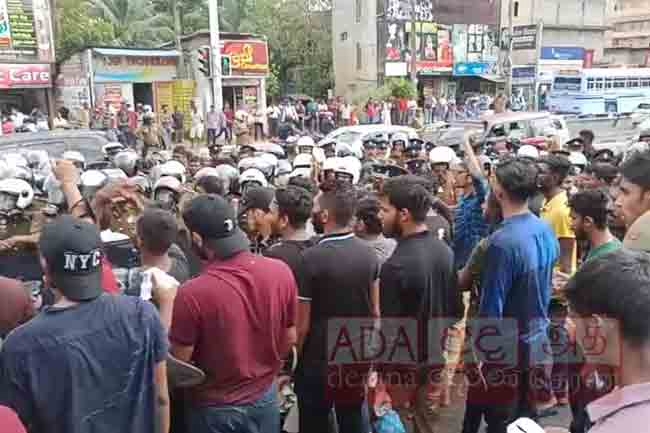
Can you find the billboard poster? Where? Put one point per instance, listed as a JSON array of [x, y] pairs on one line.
[[445, 11], [524, 37], [482, 43], [459, 40], [563, 53], [434, 48], [395, 48], [26, 31], [247, 57]]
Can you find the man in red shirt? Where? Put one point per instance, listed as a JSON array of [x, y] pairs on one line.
[[235, 321]]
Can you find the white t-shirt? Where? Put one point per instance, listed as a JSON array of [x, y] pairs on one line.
[[346, 112]]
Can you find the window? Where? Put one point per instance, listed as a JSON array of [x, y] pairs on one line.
[[516, 10], [358, 56], [590, 83], [609, 83], [619, 82], [571, 84], [344, 36], [600, 83], [645, 82], [632, 82], [358, 10], [381, 8]]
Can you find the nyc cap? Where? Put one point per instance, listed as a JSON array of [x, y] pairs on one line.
[[72, 249], [214, 219]]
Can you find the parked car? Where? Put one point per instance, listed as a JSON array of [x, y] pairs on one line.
[[88, 142], [354, 135]]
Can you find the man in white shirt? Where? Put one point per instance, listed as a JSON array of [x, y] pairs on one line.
[[273, 114], [346, 114], [196, 131]]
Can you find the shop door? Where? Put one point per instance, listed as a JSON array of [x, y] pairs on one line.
[[143, 93]]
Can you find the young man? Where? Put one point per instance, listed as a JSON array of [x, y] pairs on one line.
[[235, 321], [633, 201], [341, 282], [178, 124], [104, 356], [157, 231], [553, 169], [196, 130], [256, 207], [216, 125], [516, 285], [418, 280], [290, 211], [589, 222], [610, 297], [368, 228], [469, 224]]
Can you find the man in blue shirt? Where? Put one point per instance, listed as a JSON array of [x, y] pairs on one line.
[[516, 284], [469, 223], [92, 362]]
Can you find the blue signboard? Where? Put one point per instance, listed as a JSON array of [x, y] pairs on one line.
[[523, 72], [474, 69], [563, 53]]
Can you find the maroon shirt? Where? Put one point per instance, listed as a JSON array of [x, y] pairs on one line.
[[236, 314]]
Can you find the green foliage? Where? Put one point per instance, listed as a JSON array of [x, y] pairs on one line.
[[401, 88], [78, 29], [273, 88]]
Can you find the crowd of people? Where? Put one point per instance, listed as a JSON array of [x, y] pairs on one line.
[[198, 290]]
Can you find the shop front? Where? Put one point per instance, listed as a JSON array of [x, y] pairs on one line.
[[245, 86], [26, 55], [476, 78], [24, 86]]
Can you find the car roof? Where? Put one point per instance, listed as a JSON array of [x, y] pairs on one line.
[[372, 129], [88, 142], [514, 116]]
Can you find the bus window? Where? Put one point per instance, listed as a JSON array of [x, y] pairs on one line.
[[609, 83], [590, 83], [571, 84], [599, 83], [633, 82], [645, 82], [619, 82]]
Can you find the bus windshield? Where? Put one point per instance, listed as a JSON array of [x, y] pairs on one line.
[[571, 84]]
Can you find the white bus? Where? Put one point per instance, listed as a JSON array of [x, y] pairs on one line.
[[599, 91]]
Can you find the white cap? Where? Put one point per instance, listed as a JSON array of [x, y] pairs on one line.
[[578, 158], [206, 172], [528, 151], [19, 188], [305, 141], [301, 172], [442, 155]]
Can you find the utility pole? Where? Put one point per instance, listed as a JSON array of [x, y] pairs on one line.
[[215, 50], [181, 72], [414, 72], [508, 61]]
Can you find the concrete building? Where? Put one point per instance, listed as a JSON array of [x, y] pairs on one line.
[[628, 42], [354, 45]]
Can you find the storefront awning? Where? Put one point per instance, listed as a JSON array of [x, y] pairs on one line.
[[135, 53]]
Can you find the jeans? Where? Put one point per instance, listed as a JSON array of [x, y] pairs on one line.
[[262, 416], [315, 407], [428, 116], [213, 134]]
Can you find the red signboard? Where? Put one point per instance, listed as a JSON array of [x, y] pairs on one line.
[[247, 57], [16, 76]]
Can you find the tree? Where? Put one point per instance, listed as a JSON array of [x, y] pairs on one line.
[[300, 43], [135, 22], [77, 29], [234, 15]]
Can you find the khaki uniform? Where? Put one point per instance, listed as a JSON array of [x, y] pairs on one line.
[[638, 235], [150, 136]]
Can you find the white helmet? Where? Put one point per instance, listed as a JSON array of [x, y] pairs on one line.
[[442, 155], [52, 187], [228, 173], [269, 158], [76, 157], [301, 172], [91, 181], [578, 159], [305, 141], [39, 159], [206, 172], [528, 151], [246, 163], [284, 167], [109, 150], [252, 175], [114, 174], [126, 160], [331, 163], [173, 168], [5, 170], [169, 182], [303, 160], [343, 149], [350, 166], [15, 194]]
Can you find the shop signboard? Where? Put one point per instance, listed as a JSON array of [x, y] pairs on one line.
[[163, 95], [26, 31], [183, 93], [474, 69], [444, 11], [523, 75], [523, 37], [133, 66], [563, 53], [434, 55], [22, 76], [395, 42], [248, 57]]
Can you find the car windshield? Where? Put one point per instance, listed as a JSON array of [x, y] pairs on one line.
[[643, 107]]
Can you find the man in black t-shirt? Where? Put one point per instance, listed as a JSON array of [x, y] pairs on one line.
[[341, 283], [290, 210], [419, 282]]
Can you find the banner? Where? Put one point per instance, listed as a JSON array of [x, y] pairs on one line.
[[163, 95], [473, 69], [183, 93], [445, 11], [26, 31], [247, 57], [563, 53], [524, 37], [21, 76]]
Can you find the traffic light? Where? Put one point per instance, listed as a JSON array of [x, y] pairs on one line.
[[225, 66], [205, 61]]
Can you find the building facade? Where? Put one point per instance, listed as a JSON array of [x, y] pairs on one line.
[[628, 41], [26, 55]]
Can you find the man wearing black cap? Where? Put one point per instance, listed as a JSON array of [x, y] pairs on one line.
[[102, 356], [235, 321], [256, 208]]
